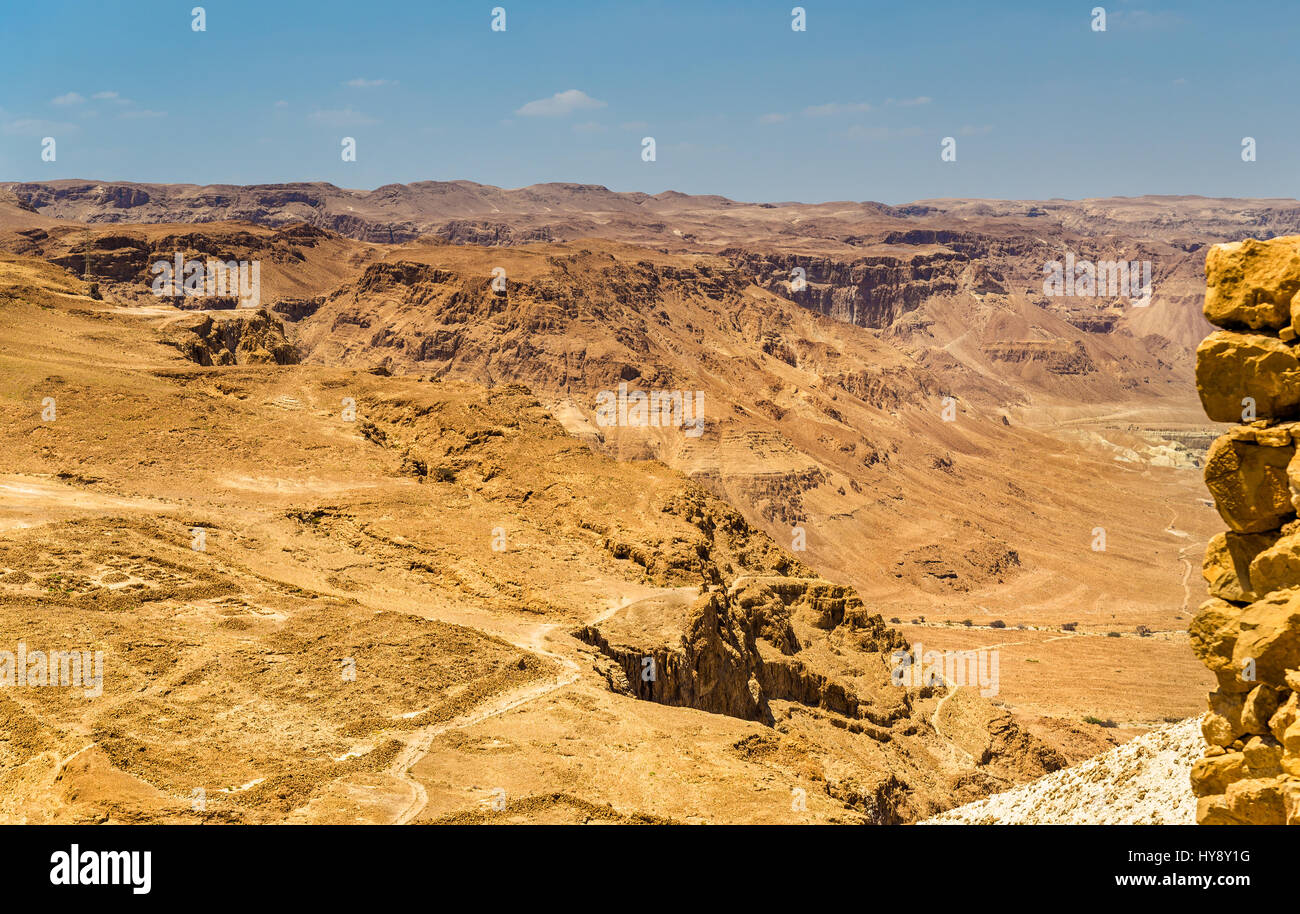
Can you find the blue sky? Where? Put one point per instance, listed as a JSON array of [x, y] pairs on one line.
[[854, 108]]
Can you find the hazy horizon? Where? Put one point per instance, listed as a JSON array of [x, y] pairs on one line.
[[669, 190]]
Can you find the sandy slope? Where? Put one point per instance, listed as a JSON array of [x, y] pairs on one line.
[[1143, 782]]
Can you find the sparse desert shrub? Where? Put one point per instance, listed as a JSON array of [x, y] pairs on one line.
[[1112, 634], [443, 474], [1099, 722], [997, 623], [1069, 626], [1143, 631], [967, 622], [894, 620]]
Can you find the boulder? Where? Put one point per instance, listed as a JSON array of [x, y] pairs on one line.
[[1291, 750], [1268, 633], [1261, 704], [1222, 725], [1228, 562], [1213, 775], [1284, 717], [1275, 567], [1257, 801], [1249, 483], [1251, 284], [1263, 756], [1233, 366], [1213, 634]]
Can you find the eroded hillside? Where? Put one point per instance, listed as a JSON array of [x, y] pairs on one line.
[[326, 594], [827, 425]]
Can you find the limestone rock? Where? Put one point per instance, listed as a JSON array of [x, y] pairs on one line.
[[1257, 801], [1291, 750], [1263, 756], [1291, 801], [1251, 283], [1213, 775], [1275, 567], [1249, 484], [1213, 634], [1232, 366], [1269, 635], [1214, 810], [1228, 563], [1284, 716], [1222, 725], [1259, 708]]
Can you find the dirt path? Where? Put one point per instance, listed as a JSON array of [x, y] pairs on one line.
[[533, 639]]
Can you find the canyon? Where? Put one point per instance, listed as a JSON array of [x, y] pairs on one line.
[[912, 442]]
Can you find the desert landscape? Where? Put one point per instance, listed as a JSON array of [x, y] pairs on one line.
[[367, 550]]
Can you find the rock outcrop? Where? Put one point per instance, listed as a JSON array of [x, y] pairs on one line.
[[1248, 632], [238, 337]]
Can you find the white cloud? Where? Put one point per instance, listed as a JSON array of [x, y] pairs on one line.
[[969, 130], [911, 102], [857, 131], [341, 117], [28, 126], [282, 104], [140, 113], [1146, 20], [70, 98], [773, 118], [836, 108], [589, 127], [560, 104], [108, 96], [361, 83]]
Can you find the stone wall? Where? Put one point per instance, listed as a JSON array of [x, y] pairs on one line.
[[1248, 632]]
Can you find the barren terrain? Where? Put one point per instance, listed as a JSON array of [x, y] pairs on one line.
[[400, 477]]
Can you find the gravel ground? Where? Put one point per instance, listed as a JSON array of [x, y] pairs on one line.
[[1143, 782]]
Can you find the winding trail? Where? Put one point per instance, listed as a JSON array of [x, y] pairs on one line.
[[534, 640]]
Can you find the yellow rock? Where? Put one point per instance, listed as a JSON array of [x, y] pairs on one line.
[[1275, 567], [1263, 756], [1260, 706], [1251, 283], [1213, 634], [1277, 436], [1268, 633], [1249, 484], [1213, 775], [1291, 799], [1228, 562], [1291, 750], [1231, 367], [1284, 717], [1222, 725], [1257, 801]]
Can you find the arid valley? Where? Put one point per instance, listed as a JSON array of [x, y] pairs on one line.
[[365, 549]]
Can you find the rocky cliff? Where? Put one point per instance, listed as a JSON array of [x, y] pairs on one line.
[[1248, 632]]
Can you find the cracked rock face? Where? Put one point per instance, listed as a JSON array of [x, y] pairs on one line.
[[1248, 634]]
